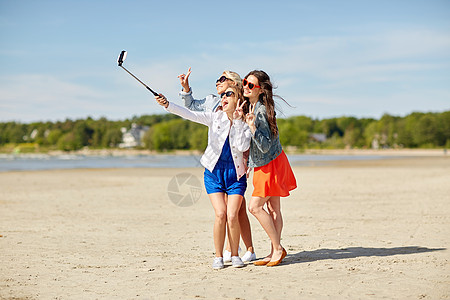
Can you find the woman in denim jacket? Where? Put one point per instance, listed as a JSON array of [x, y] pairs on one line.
[[273, 177], [210, 103], [225, 171]]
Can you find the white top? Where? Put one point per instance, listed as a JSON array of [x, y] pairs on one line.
[[219, 127]]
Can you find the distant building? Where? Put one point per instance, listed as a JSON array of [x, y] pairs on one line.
[[375, 143], [34, 134], [318, 137], [133, 137]]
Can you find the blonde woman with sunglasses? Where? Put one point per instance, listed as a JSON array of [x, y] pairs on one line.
[[225, 171], [211, 103]]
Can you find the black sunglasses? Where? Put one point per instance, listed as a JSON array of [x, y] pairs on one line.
[[228, 94], [222, 79], [251, 86]]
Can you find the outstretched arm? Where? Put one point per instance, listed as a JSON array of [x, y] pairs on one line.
[[198, 117]]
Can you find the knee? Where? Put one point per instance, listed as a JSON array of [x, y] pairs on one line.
[[254, 209], [232, 218], [221, 216]]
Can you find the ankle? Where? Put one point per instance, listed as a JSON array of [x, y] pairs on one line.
[[279, 248]]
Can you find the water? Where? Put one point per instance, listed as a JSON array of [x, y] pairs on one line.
[[51, 162], [10, 162]]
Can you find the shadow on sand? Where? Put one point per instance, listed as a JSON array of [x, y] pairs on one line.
[[353, 252]]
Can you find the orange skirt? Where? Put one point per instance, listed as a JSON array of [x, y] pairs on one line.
[[274, 179]]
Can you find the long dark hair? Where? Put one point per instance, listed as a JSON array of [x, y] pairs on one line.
[[266, 98]]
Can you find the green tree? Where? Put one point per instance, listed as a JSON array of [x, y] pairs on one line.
[[54, 136], [69, 142], [425, 131], [111, 138], [292, 135], [82, 133], [161, 137], [198, 138], [328, 127]]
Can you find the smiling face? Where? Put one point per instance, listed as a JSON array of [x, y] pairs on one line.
[[222, 86], [252, 94], [229, 101]]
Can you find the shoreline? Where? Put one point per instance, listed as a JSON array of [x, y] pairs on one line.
[[142, 152], [379, 152], [185, 159]]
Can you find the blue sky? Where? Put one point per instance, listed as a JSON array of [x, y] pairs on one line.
[[327, 58]]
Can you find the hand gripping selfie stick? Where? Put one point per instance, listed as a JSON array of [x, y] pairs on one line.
[[122, 57]]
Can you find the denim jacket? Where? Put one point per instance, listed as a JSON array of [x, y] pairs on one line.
[[264, 147], [219, 128], [210, 103]]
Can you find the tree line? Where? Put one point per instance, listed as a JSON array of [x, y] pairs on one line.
[[170, 132]]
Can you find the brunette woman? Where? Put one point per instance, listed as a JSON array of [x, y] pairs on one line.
[[273, 177]]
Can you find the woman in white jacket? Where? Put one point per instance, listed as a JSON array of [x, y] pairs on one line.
[[210, 103], [228, 138]]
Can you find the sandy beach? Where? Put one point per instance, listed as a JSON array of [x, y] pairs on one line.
[[376, 229]]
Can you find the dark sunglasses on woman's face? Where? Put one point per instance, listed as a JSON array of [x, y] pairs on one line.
[[251, 86], [221, 79], [228, 94]]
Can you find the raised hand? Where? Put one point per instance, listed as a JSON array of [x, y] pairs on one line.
[[250, 117], [184, 80], [239, 111], [162, 100]]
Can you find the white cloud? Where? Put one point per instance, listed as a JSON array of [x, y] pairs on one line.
[[42, 97], [345, 55], [43, 89], [346, 71], [342, 72]]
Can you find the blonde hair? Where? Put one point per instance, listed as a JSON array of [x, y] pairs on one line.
[[235, 78]]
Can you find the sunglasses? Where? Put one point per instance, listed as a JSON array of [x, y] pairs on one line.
[[228, 94], [251, 86], [222, 79]]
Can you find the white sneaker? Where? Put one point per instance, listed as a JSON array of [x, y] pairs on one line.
[[248, 257], [218, 263], [236, 262], [227, 255]]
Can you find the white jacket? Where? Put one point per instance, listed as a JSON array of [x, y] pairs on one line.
[[219, 127]]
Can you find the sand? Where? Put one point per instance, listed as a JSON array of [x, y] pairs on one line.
[[353, 230]]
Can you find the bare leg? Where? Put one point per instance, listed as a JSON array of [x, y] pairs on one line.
[[266, 221], [234, 203], [227, 245], [246, 232], [274, 208], [220, 210]]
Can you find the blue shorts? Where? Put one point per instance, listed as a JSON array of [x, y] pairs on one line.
[[223, 179]]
